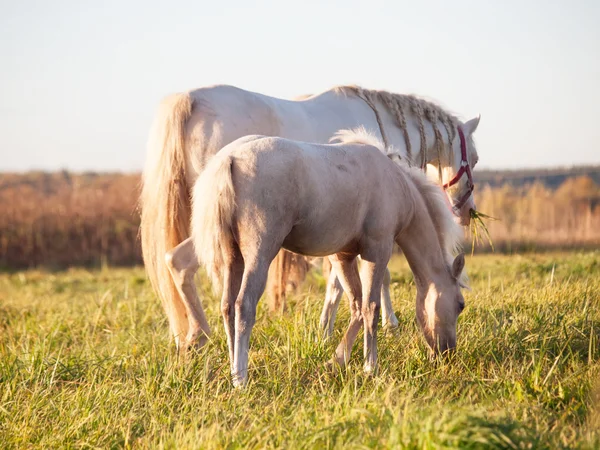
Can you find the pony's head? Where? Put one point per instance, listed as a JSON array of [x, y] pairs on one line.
[[457, 176], [439, 305]]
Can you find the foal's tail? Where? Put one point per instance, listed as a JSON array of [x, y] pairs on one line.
[[212, 217], [165, 202]]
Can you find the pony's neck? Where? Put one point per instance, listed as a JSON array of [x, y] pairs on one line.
[[428, 142], [432, 154], [421, 246]]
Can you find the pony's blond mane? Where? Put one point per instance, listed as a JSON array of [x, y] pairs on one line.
[[400, 106]]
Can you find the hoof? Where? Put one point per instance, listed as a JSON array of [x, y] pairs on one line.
[[370, 369], [391, 323], [334, 366], [239, 382], [192, 344]]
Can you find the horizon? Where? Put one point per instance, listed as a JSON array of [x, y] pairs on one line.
[[82, 81]]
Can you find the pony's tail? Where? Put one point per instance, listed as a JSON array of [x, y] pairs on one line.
[[165, 203], [212, 218]]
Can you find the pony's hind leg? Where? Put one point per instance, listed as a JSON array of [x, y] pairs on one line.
[[347, 271], [334, 295], [252, 287], [183, 265], [388, 318], [331, 303], [232, 279]]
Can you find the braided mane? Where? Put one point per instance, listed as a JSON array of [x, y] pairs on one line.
[[401, 106]]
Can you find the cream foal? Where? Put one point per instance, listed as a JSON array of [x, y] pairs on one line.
[[260, 194], [191, 127]]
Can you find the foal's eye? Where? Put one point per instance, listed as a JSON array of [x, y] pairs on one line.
[[461, 306]]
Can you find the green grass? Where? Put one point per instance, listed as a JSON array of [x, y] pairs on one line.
[[86, 362]]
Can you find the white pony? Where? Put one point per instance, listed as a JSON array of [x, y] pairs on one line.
[[260, 194], [191, 127]]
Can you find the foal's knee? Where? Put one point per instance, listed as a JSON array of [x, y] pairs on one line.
[[226, 309], [371, 309]]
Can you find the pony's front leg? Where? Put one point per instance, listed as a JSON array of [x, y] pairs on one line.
[[332, 301], [252, 287], [388, 318], [347, 271], [372, 274], [183, 265]]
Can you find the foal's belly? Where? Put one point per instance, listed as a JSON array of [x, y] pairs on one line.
[[320, 241]]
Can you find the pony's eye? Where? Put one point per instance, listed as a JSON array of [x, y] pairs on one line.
[[461, 306]]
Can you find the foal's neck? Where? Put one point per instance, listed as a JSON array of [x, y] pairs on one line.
[[420, 244]]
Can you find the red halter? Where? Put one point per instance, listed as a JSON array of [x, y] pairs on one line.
[[464, 168]]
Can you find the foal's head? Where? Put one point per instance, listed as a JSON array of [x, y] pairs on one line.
[[439, 305]]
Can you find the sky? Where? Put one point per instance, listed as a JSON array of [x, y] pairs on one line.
[[80, 80]]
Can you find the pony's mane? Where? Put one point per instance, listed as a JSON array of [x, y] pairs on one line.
[[400, 106], [450, 233]]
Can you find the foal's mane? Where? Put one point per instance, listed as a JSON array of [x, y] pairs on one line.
[[449, 233], [359, 135], [400, 106]]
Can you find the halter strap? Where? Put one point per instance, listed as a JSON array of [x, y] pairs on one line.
[[464, 168]]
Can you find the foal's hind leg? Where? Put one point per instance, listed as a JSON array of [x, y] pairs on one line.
[[183, 265], [347, 271], [232, 279], [252, 287]]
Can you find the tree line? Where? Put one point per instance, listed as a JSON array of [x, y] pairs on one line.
[[64, 219]]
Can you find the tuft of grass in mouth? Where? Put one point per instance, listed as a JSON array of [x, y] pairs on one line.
[[479, 230]]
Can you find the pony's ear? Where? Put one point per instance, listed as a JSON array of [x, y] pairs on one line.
[[458, 265], [471, 125]]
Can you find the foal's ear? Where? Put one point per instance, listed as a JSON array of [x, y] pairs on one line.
[[458, 265], [470, 126]]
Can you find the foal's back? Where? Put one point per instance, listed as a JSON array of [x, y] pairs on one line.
[[321, 198]]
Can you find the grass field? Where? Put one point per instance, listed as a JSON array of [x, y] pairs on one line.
[[86, 362]]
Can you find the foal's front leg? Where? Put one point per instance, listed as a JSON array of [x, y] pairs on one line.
[[347, 270], [372, 273]]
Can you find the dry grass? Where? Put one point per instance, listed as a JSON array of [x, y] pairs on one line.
[[62, 219]]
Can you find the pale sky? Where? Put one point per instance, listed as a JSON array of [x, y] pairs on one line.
[[80, 80]]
